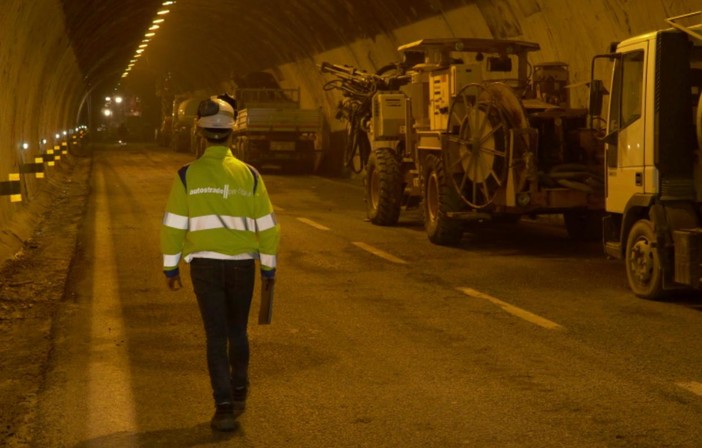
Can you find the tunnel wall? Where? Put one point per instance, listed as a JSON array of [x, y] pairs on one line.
[[568, 31], [41, 88]]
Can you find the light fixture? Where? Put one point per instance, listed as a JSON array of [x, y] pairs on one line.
[[25, 145], [118, 99], [149, 34], [143, 45], [168, 3], [154, 27], [43, 141], [163, 12], [158, 20], [141, 50], [65, 133], [58, 136]]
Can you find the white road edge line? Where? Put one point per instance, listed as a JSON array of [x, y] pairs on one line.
[[691, 386], [516, 311], [109, 371], [377, 252], [309, 222]]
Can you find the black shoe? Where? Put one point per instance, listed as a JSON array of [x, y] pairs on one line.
[[223, 419], [239, 397]]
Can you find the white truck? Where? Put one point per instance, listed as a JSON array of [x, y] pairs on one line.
[[653, 147]]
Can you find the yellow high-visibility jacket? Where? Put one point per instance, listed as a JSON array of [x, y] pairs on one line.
[[219, 208]]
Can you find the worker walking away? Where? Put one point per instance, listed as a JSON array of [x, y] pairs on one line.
[[219, 219]]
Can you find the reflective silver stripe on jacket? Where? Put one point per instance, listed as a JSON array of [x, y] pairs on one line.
[[266, 222], [210, 222], [171, 261], [268, 260], [175, 221], [218, 256]]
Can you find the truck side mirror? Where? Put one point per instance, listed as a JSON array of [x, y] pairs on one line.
[[597, 92]]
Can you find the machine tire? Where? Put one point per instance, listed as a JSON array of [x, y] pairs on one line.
[[583, 225], [643, 266], [440, 198], [383, 187]]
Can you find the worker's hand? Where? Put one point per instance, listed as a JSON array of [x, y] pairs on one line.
[[267, 278], [174, 283], [267, 283]]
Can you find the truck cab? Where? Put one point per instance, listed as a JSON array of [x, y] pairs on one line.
[[653, 188]]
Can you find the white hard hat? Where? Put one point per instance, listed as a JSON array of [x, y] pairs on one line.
[[215, 114]]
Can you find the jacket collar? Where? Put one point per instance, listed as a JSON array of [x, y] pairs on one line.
[[217, 151]]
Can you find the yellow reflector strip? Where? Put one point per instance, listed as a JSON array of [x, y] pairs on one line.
[[15, 198], [14, 176], [40, 175]]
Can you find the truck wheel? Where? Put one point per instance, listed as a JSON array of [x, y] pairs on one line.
[[643, 266], [583, 225], [383, 187], [440, 198]]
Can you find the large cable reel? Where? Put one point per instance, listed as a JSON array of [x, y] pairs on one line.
[[476, 154]]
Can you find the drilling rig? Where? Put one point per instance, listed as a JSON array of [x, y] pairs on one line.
[[468, 130]]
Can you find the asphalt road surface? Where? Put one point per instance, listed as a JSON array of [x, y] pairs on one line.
[[519, 337]]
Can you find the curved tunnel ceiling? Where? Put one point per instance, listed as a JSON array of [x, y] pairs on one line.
[[203, 42]]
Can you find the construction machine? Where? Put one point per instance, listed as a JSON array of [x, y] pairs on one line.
[[272, 128], [469, 130], [653, 146], [183, 135]]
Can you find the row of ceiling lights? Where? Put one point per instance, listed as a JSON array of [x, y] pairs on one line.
[[150, 33]]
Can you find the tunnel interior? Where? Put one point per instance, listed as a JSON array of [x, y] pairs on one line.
[[63, 58]]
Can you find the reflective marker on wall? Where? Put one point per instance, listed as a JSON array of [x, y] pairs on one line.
[[11, 188]]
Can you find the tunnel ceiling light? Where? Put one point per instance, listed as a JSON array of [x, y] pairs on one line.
[[58, 135], [65, 133], [25, 145], [43, 141], [147, 36], [118, 99]]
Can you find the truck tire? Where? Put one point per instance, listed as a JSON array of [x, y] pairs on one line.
[[643, 266], [440, 198], [383, 187], [584, 225]]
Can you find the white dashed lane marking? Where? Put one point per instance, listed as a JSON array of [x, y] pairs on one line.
[[692, 386], [515, 311], [309, 222], [379, 253]]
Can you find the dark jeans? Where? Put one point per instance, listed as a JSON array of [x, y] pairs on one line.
[[224, 289]]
